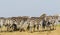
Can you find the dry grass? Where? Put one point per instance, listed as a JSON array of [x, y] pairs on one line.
[[54, 32]]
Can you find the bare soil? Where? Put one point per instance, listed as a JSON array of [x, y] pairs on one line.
[[54, 32]]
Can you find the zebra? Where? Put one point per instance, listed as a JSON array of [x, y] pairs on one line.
[[8, 24], [2, 25], [31, 26]]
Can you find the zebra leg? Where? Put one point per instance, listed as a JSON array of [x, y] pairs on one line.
[[20, 29], [31, 29], [35, 27]]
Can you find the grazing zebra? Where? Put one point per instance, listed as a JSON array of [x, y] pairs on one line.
[[8, 24], [21, 23], [53, 23], [44, 24], [25, 25], [40, 25], [14, 25], [35, 25], [2, 25], [31, 26], [48, 25]]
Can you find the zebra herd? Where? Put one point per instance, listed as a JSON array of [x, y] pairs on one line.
[[26, 24]]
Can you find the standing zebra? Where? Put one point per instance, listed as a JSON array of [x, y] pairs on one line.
[[31, 26]]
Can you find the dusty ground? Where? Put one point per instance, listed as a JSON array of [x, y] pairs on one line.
[[55, 32]]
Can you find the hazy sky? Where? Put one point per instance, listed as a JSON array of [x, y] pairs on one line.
[[28, 7]]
